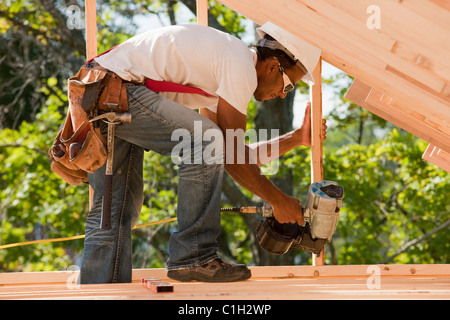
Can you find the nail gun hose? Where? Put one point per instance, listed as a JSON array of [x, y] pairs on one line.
[[233, 209], [243, 209]]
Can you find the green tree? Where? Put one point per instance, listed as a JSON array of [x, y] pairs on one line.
[[35, 203]]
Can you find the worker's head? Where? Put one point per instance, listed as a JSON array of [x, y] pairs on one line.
[[277, 73], [279, 47]]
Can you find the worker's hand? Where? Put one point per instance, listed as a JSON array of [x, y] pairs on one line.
[[289, 210], [304, 132]]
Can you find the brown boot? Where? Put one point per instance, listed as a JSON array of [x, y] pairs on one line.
[[213, 271]]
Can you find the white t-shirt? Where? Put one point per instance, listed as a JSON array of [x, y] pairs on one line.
[[203, 57]]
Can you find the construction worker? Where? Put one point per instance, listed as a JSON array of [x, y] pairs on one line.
[[229, 73]]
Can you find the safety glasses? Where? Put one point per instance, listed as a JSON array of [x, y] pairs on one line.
[[288, 86]]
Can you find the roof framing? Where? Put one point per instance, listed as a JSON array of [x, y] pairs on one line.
[[406, 59]]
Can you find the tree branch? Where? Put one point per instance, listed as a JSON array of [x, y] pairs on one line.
[[413, 242]]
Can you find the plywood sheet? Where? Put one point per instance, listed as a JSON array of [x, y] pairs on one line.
[[267, 283], [438, 157]]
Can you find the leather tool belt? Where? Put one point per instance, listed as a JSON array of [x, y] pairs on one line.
[[79, 147]]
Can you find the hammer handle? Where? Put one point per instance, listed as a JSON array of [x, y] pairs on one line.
[[107, 202]]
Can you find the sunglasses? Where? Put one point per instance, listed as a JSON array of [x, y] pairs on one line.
[[288, 86]]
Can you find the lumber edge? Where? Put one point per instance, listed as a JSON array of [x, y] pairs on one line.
[[281, 272]]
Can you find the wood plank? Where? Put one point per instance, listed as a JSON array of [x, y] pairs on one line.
[[376, 102], [253, 289], [359, 34], [395, 112], [425, 60], [437, 88], [418, 31], [267, 283], [316, 140], [419, 270], [429, 9], [63, 276], [352, 25], [316, 125], [202, 12], [438, 157], [446, 90], [442, 3], [380, 40], [91, 29], [416, 58], [396, 270], [91, 50]]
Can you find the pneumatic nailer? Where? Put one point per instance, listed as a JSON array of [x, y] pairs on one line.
[[321, 213]]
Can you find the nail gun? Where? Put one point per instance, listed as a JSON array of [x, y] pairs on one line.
[[321, 212]]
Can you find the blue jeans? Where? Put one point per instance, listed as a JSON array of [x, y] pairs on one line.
[[107, 254]]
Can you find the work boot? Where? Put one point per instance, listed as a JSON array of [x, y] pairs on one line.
[[213, 271]]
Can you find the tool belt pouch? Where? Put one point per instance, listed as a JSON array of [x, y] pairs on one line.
[[79, 148], [113, 96]]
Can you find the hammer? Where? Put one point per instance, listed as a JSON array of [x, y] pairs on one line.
[[111, 118]]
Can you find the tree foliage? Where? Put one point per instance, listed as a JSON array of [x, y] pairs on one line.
[[392, 197]]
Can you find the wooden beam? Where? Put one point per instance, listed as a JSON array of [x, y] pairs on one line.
[[316, 125], [274, 272], [267, 283], [91, 50], [91, 29], [202, 12], [316, 140], [437, 157], [423, 36], [442, 3], [394, 270], [393, 111]]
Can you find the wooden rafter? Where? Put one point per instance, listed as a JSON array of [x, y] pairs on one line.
[[91, 50], [316, 140], [202, 12], [393, 111], [407, 61], [438, 157], [91, 29], [316, 125]]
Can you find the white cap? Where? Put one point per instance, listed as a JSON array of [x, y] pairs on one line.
[[305, 54]]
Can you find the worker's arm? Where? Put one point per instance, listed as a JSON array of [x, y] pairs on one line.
[[287, 209], [278, 146]]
